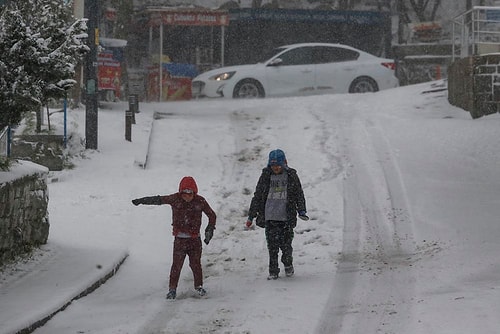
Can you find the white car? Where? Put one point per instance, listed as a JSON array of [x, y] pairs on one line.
[[300, 69]]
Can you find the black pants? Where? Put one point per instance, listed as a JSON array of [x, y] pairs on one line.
[[279, 235]]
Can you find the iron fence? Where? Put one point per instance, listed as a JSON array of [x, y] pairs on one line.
[[476, 32]]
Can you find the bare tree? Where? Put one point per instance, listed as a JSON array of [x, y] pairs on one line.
[[420, 9]]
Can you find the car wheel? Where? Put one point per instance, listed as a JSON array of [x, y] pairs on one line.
[[248, 89], [363, 85]]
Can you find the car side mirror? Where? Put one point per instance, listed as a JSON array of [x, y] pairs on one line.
[[276, 62]]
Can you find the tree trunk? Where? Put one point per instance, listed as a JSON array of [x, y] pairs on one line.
[[402, 21]]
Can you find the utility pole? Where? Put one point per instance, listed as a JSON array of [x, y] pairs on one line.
[[401, 21], [91, 12]]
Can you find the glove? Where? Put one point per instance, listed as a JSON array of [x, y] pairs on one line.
[[209, 233], [303, 215], [152, 200], [260, 222], [248, 222]]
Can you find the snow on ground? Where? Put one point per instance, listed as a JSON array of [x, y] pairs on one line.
[[402, 190]]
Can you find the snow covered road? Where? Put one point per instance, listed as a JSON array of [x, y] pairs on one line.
[[402, 190]]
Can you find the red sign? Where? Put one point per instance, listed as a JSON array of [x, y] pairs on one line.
[[173, 88], [109, 73], [190, 18]]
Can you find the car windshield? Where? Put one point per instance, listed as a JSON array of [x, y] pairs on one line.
[[270, 53]]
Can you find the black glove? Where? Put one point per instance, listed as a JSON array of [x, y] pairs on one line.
[[152, 200], [260, 222], [209, 233]]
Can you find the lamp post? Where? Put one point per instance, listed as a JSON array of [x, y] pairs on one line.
[[91, 12]]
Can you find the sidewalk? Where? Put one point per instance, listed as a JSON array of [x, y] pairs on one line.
[[33, 291]]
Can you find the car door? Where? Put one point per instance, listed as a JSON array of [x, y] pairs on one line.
[[291, 73], [335, 68]]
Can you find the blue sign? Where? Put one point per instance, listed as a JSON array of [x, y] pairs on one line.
[[302, 15], [493, 15], [181, 70]]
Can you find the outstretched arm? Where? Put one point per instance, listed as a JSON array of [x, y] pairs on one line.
[[151, 200]]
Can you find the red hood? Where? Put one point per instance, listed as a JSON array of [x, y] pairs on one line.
[[188, 182]]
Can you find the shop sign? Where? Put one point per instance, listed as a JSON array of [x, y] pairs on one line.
[[190, 18]]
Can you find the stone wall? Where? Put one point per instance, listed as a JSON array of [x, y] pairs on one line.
[[24, 221], [45, 150], [474, 84]]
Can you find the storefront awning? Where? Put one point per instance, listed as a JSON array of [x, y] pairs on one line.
[[112, 42]]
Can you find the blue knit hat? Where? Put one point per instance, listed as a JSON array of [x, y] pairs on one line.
[[277, 157]]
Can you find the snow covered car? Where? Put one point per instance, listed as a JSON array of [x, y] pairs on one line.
[[300, 69]]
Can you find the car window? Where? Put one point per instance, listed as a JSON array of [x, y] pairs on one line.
[[326, 54], [269, 54], [298, 56]]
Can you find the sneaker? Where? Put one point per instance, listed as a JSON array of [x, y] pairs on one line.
[[171, 294], [201, 292], [289, 271], [272, 276]]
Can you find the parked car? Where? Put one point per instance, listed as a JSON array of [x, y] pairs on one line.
[[300, 69]]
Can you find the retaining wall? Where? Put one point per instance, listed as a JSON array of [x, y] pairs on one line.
[[474, 84], [24, 221]]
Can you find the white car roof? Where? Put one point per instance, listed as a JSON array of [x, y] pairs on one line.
[[317, 44], [296, 45]]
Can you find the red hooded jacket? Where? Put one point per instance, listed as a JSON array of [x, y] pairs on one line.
[[186, 216]]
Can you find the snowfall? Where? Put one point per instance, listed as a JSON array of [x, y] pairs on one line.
[[403, 192]]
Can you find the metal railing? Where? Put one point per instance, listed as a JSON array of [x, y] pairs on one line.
[[5, 142], [475, 32]]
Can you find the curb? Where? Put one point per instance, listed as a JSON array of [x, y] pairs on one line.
[[156, 116], [31, 328]]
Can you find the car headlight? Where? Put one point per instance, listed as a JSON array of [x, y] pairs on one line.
[[223, 76]]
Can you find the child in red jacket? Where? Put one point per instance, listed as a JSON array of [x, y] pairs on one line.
[[187, 207]]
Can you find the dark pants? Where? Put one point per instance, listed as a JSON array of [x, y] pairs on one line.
[[192, 248], [279, 235]]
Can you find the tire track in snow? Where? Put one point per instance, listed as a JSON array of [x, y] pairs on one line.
[[326, 139], [375, 282]]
